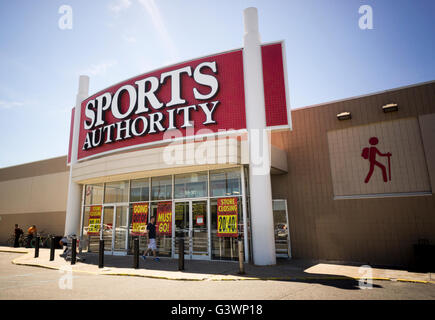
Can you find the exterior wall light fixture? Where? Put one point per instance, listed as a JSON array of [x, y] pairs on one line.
[[344, 116], [391, 107]]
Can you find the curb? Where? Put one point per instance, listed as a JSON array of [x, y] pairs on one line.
[[13, 251], [220, 279]]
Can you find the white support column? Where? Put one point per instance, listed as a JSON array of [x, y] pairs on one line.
[[72, 219], [263, 240], [245, 214]]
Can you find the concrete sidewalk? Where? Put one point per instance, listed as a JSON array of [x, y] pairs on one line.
[[199, 270]]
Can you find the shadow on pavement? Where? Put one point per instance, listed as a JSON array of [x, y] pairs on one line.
[[284, 270]]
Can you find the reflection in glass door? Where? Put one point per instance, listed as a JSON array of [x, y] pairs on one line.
[[199, 228], [120, 230], [182, 226], [114, 229], [107, 227], [281, 228]]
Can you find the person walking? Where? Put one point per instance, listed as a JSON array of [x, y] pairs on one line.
[[18, 232], [151, 232]]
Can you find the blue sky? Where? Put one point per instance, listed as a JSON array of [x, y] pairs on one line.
[[328, 56]]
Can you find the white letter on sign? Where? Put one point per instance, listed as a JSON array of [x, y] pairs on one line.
[[208, 113], [150, 94], [90, 114], [116, 105], [175, 84], [103, 103], [205, 79]]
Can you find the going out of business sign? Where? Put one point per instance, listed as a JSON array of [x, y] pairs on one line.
[[139, 219], [94, 222], [206, 93]]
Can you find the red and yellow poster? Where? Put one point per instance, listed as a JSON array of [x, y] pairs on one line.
[[164, 218], [200, 220], [139, 219], [94, 221], [227, 212]]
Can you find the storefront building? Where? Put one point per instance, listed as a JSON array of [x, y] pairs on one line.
[[209, 147], [187, 144]]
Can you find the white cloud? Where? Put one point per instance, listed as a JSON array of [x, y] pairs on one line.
[[99, 69], [119, 5], [10, 104], [159, 24]]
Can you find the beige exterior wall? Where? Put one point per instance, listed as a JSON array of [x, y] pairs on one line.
[[34, 193], [45, 193], [46, 222], [379, 230]]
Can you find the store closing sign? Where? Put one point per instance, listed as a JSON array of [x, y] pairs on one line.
[[139, 219], [164, 218], [227, 212], [94, 221]]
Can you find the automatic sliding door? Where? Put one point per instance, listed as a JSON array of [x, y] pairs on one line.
[[182, 225]]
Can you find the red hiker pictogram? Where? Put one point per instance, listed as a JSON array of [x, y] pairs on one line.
[[369, 153]]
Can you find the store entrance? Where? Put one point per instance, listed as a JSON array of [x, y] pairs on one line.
[[114, 229], [191, 223]]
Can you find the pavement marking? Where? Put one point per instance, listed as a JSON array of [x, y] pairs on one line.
[[235, 278], [416, 281], [13, 251]]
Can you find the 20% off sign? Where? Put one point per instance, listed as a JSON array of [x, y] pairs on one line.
[[227, 213]]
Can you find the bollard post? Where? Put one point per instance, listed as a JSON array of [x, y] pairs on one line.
[[52, 248], [101, 255], [73, 250], [181, 254], [37, 247], [241, 257], [136, 253]]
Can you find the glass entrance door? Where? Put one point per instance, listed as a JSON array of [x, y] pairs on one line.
[[114, 229], [182, 229], [191, 222], [281, 226], [199, 229], [120, 230]]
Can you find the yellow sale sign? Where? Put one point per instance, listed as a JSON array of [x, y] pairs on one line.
[[227, 213], [139, 219], [94, 221], [164, 218]]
